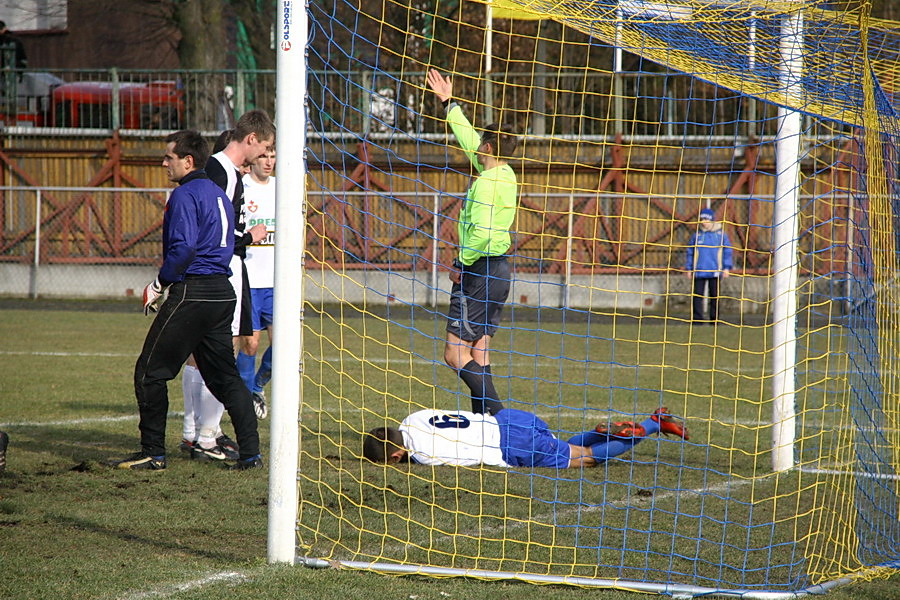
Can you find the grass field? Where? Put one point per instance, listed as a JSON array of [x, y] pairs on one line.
[[71, 527]]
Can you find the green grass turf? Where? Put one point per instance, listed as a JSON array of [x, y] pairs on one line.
[[72, 528]]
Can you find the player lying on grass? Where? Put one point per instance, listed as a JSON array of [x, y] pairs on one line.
[[511, 438]]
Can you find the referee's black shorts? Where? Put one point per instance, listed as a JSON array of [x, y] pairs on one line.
[[476, 302]]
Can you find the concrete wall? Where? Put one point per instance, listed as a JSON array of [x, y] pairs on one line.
[[69, 281], [662, 294]]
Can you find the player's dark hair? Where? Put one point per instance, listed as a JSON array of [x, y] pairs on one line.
[[190, 143], [222, 141], [381, 442], [255, 121], [502, 139]]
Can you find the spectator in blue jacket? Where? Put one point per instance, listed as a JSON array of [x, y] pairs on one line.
[[708, 261]]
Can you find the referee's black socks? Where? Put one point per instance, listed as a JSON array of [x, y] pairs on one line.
[[480, 382]]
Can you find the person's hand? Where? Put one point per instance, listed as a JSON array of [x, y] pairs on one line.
[[258, 232], [442, 86], [455, 271], [153, 296], [725, 274], [688, 273]]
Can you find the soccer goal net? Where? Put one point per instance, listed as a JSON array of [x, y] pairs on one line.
[[644, 128]]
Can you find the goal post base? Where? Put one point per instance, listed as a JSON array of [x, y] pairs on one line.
[[673, 590]]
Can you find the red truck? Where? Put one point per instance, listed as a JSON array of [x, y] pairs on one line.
[[44, 100], [153, 105]]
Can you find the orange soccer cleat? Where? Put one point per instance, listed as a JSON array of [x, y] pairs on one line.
[[669, 424], [625, 429]]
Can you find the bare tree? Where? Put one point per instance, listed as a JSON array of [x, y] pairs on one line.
[[203, 48]]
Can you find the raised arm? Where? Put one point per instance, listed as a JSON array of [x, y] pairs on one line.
[[469, 139], [440, 85]]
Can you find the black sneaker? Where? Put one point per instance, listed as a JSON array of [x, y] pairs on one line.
[[186, 446], [259, 405], [254, 462], [215, 453], [228, 446], [139, 460], [4, 442]]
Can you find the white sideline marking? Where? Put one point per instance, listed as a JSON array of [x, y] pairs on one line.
[[888, 476], [134, 417], [81, 354], [594, 414], [507, 525], [546, 361], [550, 362], [175, 588]]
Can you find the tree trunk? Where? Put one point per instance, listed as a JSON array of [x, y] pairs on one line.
[[204, 46]]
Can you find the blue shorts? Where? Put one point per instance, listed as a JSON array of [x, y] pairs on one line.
[[476, 302], [261, 303], [526, 441]]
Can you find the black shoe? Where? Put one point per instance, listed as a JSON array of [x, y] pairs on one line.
[[139, 460], [186, 446], [213, 454], [254, 462], [228, 446], [4, 443]]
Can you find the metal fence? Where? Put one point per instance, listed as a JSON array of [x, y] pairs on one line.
[[109, 239], [575, 104], [79, 241], [578, 103], [134, 99]]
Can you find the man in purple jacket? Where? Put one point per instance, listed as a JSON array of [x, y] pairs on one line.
[[195, 318]]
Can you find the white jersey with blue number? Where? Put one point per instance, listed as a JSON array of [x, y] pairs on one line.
[[461, 438]]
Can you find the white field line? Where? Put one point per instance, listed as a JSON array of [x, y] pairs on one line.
[[549, 516], [722, 487], [566, 362], [177, 415], [593, 416], [725, 486], [543, 361], [68, 354], [861, 474], [84, 421], [540, 362], [168, 590]]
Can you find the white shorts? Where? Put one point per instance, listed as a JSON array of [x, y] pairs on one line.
[[237, 282]]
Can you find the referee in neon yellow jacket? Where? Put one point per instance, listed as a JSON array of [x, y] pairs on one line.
[[481, 271]]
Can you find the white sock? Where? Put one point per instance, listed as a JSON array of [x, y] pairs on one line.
[[190, 388], [210, 415]]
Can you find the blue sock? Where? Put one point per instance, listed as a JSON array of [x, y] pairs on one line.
[[606, 447], [246, 366], [588, 438], [264, 374], [612, 447], [650, 426]]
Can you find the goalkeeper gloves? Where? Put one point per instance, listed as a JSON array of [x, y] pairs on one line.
[[154, 295]]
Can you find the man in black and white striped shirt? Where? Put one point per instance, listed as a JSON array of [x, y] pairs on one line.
[[252, 136]]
